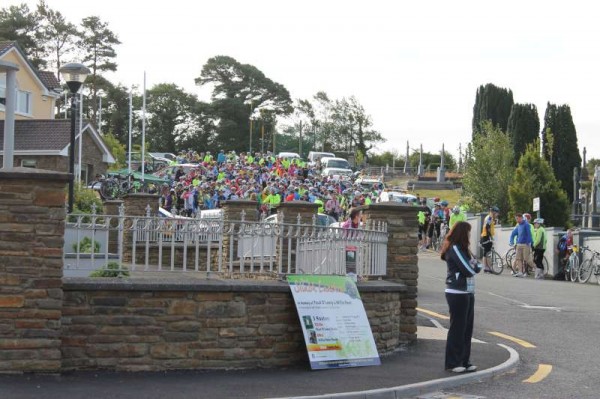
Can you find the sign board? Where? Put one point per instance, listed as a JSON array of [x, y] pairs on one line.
[[536, 204], [334, 322]]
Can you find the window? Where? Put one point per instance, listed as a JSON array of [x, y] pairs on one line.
[[29, 163], [23, 103]]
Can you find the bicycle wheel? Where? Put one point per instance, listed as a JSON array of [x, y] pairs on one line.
[[107, 190], [585, 271], [574, 268], [509, 258], [495, 261], [510, 255]]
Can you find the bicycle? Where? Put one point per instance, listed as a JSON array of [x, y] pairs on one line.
[[589, 266], [572, 266], [494, 260], [509, 257], [116, 186]]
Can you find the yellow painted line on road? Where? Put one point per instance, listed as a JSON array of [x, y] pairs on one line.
[[521, 342], [542, 372], [430, 313]]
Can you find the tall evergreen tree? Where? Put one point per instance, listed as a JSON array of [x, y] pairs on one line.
[[493, 104], [98, 43], [489, 169], [534, 178], [21, 25], [58, 35], [523, 127], [564, 153]]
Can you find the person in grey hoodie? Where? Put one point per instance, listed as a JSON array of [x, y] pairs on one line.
[[460, 295]]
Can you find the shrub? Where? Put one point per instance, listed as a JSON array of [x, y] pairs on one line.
[[85, 246], [113, 269]]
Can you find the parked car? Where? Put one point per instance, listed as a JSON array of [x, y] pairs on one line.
[[322, 219], [367, 183]]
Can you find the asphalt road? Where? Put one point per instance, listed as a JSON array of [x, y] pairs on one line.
[[560, 319]]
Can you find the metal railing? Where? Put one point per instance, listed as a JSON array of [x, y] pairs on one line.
[[138, 244]]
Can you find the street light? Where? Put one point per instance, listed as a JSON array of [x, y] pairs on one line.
[[74, 75]]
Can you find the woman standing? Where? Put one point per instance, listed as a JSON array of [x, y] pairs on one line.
[[460, 295]]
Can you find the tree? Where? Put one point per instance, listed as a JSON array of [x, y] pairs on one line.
[[58, 35], [98, 45], [534, 178], [170, 113], [117, 150], [493, 104], [239, 91], [489, 169], [21, 25], [564, 152], [523, 127]]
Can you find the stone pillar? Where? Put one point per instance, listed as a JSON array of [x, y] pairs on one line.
[[292, 209], [32, 228], [402, 259], [232, 212], [135, 204], [111, 208]]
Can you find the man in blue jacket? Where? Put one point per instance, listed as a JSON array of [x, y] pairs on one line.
[[522, 231]]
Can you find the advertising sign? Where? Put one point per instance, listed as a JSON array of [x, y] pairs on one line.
[[334, 322]]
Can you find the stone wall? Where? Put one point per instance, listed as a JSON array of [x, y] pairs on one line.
[[160, 325], [32, 222]]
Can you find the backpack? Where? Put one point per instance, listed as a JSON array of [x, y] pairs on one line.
[[562, 244]]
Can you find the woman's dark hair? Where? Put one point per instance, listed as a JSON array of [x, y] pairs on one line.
[[459, 235]]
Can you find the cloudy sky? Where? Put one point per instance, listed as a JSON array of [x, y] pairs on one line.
[[415, 66]]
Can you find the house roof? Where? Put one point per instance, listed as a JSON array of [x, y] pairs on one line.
[[49, 137], [48, 79]]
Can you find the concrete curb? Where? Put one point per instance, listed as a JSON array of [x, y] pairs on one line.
[[425, 386]]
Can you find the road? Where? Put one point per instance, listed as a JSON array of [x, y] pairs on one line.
[[561, 321]]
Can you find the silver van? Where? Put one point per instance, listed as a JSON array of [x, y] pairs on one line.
[[315, 156]]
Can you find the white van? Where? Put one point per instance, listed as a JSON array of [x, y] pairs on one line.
[[315, 156], [289, 155], [335, 166]]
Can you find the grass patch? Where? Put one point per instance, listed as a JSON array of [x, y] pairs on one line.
[[452, 196]]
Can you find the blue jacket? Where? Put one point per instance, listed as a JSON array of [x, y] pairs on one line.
[[523, 233]]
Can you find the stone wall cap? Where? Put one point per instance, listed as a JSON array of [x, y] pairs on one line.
[[184, 283], [141, 195], [20, 173], [240, 202], [297, 204]]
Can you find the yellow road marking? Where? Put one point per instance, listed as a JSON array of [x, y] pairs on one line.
[[430, 313], [524, 344], [541, 373]]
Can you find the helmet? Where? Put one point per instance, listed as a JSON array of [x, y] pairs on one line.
[[527, 216], [494, 209], [456, 210], [444, 203], [539, 221]]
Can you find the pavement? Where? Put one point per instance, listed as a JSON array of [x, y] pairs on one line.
[[410, 372]]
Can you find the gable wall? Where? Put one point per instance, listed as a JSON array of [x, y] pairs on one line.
[[42, 106]]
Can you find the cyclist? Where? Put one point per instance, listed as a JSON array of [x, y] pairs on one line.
[[437, 218], [565, 243], [456, 216], [522, 232], [487, 236], [539, 247], [513, 237]]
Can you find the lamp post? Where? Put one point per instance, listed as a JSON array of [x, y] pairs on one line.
[[74, 74]]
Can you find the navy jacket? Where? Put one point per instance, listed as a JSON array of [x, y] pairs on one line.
[[459, 268]]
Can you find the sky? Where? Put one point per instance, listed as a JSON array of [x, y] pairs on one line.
[[415, 66]]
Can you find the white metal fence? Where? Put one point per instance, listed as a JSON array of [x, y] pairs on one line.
[[157, 244]]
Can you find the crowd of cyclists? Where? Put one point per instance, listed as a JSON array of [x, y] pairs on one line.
[[261, 177]]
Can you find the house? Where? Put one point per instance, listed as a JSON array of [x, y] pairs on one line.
[[40, 140], [44, 144]]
